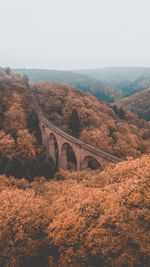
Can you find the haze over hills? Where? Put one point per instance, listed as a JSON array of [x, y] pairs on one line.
[[102, 90], [116, 75], [107, 84], [128, 80]]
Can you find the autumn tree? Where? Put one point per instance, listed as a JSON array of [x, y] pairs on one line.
[[7, 143], [15, 117]]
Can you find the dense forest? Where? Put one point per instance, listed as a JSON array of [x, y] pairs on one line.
[[78, 219], [102, 90], [111, 129], [138, 103], [67, 219], [127, 80], [107, 84], [21, 152]]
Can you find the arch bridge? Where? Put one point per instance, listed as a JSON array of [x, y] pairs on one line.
[[69, 152]]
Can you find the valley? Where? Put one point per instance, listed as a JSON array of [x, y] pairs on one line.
[[53, 216]]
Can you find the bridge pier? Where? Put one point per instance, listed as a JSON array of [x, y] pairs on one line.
[[62, 160], [44, 135], [78, 164], [51, 150]]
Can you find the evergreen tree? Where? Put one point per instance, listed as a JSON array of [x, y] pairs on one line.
[[115, 108], [121, 113], [8, 70], [26, 79], [74, 123]]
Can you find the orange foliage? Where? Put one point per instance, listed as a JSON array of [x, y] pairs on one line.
[[21, 153], [26, 143], [80, 218], [24, 217], [15, 116], [6, 144], [85, 219]]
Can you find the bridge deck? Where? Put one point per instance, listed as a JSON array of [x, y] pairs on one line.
[[74, 140]]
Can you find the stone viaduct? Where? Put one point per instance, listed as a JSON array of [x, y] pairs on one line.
[[57, 141]]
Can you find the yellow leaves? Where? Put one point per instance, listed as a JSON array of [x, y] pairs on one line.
[[134, 199], [26, 143], [66, 227], [6, 143], [23, 221], [5, 140], [20, 234], [15, 117]]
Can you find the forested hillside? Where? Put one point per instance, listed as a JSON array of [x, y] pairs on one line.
[[111, 129], [21, 153], [86, 218], [74, 133], [102, 90], [79, 219], [106, 84], [138, 103], [128, 80]]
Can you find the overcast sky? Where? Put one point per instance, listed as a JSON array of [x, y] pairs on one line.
[[71, 34]]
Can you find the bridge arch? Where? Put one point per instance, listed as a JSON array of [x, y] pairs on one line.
[[43, 129], [89, 162], [67, 159], [53, 147]]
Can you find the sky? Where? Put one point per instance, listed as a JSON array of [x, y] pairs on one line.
[[74, 34]]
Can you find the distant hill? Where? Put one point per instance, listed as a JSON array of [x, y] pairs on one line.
[[138, 103], [107, 84], [128, 80], [101, 90]]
